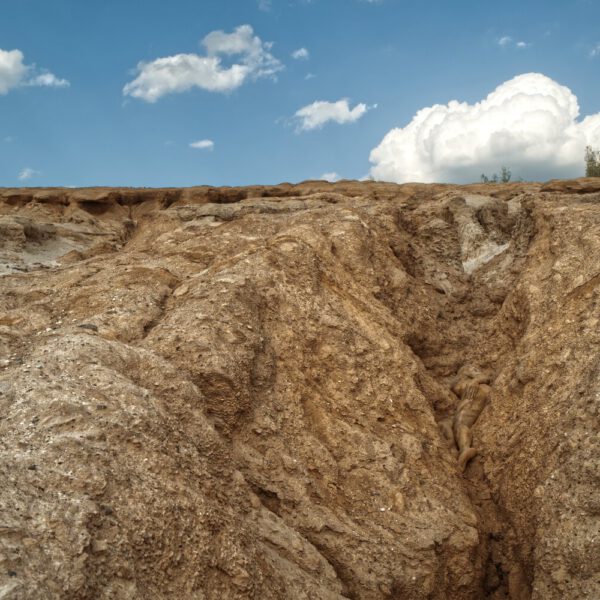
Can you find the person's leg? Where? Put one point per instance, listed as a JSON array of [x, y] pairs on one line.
[[465, 456], [464, 439], [462, 435]]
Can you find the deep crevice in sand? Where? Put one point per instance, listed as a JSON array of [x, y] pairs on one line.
[[468, 319]]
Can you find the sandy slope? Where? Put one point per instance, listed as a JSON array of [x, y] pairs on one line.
[[236, 393]]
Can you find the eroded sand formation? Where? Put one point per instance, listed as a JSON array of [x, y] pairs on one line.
[[243, 393]]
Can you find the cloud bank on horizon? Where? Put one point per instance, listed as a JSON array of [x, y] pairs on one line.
[[182, 72], [529, 123]]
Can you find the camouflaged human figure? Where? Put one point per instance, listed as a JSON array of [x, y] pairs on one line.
[[472, 389]]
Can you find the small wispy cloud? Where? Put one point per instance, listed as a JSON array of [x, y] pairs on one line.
[[301, 54], [264, 5], [48, 80], [595, 51], [202, 145], [332, 177], [309, 76], [319, 113], [27, 173], [508, 42]]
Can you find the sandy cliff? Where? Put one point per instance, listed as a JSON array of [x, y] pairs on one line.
[[242, 393]]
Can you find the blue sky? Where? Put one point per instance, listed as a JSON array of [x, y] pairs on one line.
[[389, 59]]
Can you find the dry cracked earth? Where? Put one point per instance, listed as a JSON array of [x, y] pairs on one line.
[[240, 392]]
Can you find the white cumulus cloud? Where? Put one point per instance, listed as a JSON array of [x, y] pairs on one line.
[[530, 124], [317, 114], [27, 173], [301, 54], [332, 177], [15, 73], [182, 72], [203, 145]]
